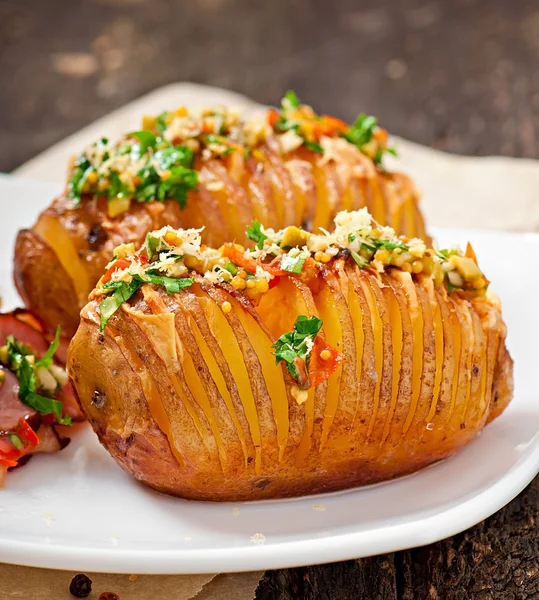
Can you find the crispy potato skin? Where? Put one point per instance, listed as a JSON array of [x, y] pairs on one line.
[[41, 280], [299, 189], [184, 398], [59, 260]]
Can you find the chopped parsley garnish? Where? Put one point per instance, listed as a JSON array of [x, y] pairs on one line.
[[176, 162], [362, 130], [19, 362], [163, 170], [146, 140], [122, 291], [388, 244], [361, 133], [161, 122], [290, 100], [314, 147], [294, 347], [117, 188], [29, 396], [16, 351], [78, 178], [311, 128], [254, 232], [293, 264], [378, 157]]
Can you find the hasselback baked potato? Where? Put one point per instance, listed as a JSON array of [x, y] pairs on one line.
[[290, 167], [308, 363]]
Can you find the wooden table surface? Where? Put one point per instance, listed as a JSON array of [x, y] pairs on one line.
[[460, 75]]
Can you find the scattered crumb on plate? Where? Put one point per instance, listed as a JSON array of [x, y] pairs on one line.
[[258, 538]]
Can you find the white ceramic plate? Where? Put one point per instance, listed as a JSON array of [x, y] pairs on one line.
[[78, 510]]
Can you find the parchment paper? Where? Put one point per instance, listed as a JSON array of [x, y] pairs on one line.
[[458, 191]]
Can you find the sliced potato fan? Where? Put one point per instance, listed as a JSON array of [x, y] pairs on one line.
[[365, 364]]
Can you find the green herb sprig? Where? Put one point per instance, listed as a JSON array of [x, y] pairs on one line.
[[254, 232], [361, 133], [149, 185], [294, 345], [122, 292]]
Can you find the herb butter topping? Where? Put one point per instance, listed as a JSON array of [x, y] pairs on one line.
[[174, 258], [158, 162]]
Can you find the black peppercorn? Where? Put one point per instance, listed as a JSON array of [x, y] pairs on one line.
[[81, 586]]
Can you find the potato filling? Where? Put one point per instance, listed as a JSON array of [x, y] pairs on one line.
[[158, 162], [171, 257]]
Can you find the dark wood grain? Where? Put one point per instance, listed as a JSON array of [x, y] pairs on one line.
[[460, 75], [496, 560]]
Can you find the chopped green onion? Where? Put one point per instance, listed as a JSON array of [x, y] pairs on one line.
[[293, 264], [122, 292], [47, 359]]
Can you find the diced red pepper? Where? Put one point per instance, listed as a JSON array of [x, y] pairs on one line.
[[237, 256], [274, 282], [118, 265], [321, 369], [10, 454], [330, 126], [272, 117], [121, 264]]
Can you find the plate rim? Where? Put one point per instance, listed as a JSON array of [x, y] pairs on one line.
[[339, 547]]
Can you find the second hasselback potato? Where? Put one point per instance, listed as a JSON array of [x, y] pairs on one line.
[[309, 363], [211, 169]]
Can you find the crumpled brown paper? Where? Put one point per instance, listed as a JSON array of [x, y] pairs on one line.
[[492, 192], [40, 584]]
